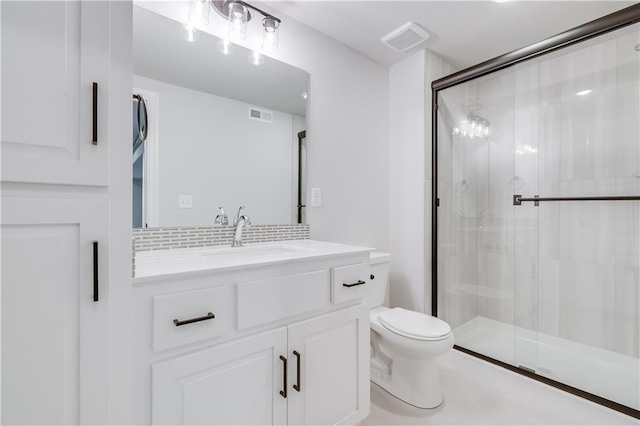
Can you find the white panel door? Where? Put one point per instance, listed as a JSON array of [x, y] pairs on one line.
[[333, 384], [52, 53], [54, 335], [235, 383]]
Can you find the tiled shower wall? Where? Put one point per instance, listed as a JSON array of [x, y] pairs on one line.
[[145, 239]]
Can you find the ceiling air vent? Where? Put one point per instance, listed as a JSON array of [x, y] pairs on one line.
[[260, 115], [404, 38]]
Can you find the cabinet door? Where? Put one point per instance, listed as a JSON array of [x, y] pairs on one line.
[[52, 53], [54, 336], [334, 368], [234, 383]]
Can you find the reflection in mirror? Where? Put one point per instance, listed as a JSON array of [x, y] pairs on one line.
[[212, 130]]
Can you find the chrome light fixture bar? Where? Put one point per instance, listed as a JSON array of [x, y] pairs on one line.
[[238, 14]]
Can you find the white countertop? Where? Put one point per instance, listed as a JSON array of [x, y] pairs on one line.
[[187, 261]]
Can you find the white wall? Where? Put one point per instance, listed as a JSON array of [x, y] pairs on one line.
[[347, 131], [407, 115], [410, 178], [208, 148], [346, 137]]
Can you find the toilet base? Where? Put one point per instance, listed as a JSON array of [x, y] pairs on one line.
[[414, 381]]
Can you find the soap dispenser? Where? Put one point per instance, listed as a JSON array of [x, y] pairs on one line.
[[221, 218]]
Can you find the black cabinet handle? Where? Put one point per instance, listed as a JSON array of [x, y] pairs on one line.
[[283, 392], [359, 282], [373, 277], [297, 385], [178, 323], [95, 271], [94, 140]]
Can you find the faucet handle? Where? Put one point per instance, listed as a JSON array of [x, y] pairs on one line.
[[222, 218]]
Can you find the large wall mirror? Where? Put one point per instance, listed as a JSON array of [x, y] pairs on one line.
[[213, 130]]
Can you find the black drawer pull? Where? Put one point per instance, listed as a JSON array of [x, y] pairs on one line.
[[360, 282], [178, 323], [297, 385], [373, 277], [95, 271], [283, 392], [94, 139]]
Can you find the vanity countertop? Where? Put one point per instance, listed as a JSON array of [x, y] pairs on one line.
[[188, 261]]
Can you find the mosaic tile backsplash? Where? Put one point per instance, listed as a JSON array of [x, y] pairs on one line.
[[145, 239], [200, 236]]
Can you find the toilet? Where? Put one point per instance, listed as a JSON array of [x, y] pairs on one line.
[[404, 344]]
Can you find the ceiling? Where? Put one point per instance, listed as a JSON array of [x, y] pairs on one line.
[[463, 32]]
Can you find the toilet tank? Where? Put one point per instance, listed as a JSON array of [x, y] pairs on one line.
[[379, 280]]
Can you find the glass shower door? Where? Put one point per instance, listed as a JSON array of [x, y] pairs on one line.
[[552, 287], [589, 251]]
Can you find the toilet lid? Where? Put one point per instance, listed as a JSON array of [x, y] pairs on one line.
[[414, 324]]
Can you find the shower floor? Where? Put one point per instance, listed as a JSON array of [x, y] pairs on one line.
[[604, 373]]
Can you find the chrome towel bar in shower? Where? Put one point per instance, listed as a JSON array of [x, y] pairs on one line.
[[518, 199]]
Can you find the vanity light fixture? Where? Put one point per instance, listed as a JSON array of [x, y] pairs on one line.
[[238, 14]]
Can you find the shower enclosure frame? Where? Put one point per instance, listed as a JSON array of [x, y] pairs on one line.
[[617, 20]]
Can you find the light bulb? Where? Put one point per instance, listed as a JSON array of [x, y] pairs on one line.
[[199, 13], [238, 14], [270, 36], [225, 46], [256, 58], [189, 33]]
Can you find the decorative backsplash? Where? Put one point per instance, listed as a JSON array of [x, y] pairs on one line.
[[145, 239]]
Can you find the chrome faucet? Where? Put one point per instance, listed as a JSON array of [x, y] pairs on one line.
[[239, 222], [222, 218]]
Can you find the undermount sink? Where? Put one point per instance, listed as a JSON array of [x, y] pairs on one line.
[[242, 253]]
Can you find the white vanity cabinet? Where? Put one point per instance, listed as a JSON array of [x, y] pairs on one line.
[[244, 381], [282, 352], [233, 383], [52, 54]]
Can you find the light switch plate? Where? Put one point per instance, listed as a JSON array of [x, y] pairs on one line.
[[185, 201], [316, 197]]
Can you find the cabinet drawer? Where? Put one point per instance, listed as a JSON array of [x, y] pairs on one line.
[[349, 282], [260, 302], [183, 318]]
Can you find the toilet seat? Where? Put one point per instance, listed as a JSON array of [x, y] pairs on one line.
[[414, 325]]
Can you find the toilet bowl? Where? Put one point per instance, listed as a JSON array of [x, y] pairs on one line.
[[404, 345]]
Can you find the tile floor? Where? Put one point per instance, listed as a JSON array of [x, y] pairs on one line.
[[480, 393]]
